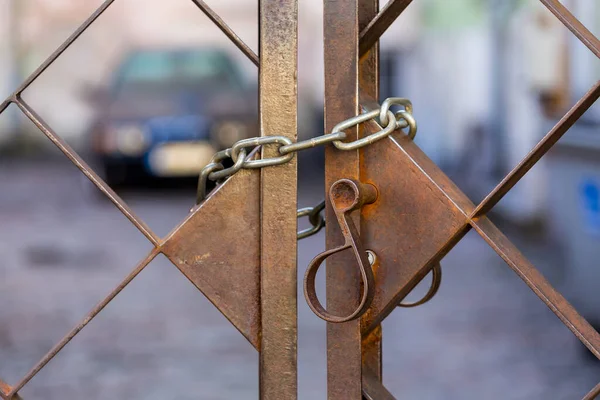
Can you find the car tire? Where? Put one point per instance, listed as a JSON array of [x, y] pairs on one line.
[[114, 173]]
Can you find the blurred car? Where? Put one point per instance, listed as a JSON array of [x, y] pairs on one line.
[[166, 112]]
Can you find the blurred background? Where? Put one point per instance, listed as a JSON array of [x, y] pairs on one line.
[[153, 89]]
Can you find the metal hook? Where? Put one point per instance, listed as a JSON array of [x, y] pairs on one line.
[[436, 280], [346, 195]]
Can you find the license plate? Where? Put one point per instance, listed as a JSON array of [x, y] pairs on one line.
[[180, 159]]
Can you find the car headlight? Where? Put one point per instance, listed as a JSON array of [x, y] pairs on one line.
[[131, 140], [229, 132]]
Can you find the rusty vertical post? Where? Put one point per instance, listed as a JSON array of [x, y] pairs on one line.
[[278, 116], [369, 85], [344, 356]]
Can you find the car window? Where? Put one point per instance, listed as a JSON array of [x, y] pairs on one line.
[[206, 66], [168, 67], [147, 67]]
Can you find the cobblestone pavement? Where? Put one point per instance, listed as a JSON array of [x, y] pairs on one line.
[[485, 336]]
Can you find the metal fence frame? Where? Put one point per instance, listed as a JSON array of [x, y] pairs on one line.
[[352, 30]]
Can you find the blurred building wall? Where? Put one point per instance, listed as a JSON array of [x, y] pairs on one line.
[[450, 71], [6, 66], [584, 66], [447, 74], [537, 67]]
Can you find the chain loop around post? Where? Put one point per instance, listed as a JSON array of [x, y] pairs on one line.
[[238, 153]]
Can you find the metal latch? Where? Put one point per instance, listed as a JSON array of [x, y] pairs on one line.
[[346, 196]]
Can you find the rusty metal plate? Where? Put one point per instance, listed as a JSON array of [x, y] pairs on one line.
[[418, 217], [218, 249]]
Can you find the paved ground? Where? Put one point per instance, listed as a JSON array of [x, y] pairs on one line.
[[485, 336]]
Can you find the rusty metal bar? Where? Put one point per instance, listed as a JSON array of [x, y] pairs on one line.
[[536, 281], [538, 151], [344, 348], [372, 356], [279, 276], [6, 103], [66, 44], [368, 70], [4, 389], [380, 23], [88, 318], [564, 15], [218, 21], [373, 389], [87, 171], [593, 393]]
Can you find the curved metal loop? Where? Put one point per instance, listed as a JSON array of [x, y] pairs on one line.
[[346, 195], [310, 143], [314, 229], [436, 280], [224, 173], [203, 178], [409, 122], [221, 155], [388, 103], [261, 141], [314, 217], [359, 119], [368, 290], [385, 132]]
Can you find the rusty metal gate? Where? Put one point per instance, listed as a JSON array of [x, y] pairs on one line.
[[408, 213]]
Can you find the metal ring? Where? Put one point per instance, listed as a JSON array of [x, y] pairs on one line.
[[315, 227], [227, 172], [316, 213], [359, 119], [310, 143], [220, 156], [260, 141], [202, 179], [410, 120], [310, 292], [315, 218], [385, 132], [436, 280], [388, 103]]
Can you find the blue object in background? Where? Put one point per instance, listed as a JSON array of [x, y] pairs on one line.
[[590, 203]]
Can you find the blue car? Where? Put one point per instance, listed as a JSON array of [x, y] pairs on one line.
[[166, 112]]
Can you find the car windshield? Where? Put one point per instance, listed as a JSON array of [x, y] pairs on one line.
[[188, 67]]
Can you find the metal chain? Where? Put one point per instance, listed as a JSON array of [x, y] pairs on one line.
[[238, 153], [314, 217]]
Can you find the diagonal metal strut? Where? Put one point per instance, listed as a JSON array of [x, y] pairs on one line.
[[218, 21], [574, 25], [382, 21]]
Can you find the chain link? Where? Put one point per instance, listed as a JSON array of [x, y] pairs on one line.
[[314, 217], [238, 153]]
